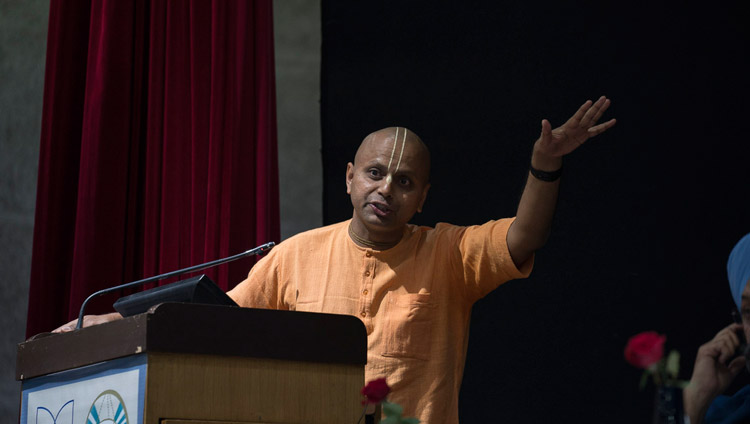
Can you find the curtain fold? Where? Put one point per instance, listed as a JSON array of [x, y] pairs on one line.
[[158, 147]]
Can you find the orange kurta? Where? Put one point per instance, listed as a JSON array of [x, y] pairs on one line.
[[415, 300]]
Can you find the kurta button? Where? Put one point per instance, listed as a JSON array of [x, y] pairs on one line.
[[367, 273], [368, 254], [364, 292], [363, 314]]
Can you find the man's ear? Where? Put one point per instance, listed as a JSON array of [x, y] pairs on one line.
[[424, 197], [349, 177]]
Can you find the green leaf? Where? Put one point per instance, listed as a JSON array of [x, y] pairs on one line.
[[673, 364], [392, 409], [644, 380], [682, 383], [393, 419], [393, 413]]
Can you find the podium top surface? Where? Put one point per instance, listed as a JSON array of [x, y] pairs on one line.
[[200, 329]]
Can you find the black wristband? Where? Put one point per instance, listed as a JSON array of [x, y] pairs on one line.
[[544, 175]]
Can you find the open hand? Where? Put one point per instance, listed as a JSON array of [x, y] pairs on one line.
[[573, 133]]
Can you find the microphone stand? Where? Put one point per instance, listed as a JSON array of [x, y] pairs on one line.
[[255, 251]]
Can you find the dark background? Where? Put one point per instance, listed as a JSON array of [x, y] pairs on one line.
[[648, 212]]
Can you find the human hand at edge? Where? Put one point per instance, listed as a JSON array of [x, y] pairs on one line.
[[713, 371], [88, 321]]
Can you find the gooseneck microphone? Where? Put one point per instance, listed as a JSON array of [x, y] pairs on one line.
[[255, 251]]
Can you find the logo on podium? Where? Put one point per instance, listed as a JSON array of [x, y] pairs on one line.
[[108, 408]]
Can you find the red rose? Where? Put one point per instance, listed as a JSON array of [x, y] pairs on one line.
[[645, 349], [375, 391]]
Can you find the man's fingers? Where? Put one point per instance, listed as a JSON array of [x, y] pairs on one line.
[[546, 129], [595, 112], [731, 334], [601, 106], [66, 327], [730, 331], [581, 112], [717, 348], [737, 364], [590, 112], [732, 337], [735, 328], [598, 129], [727, 347]]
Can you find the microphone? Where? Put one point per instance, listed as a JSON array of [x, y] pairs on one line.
[[255, 251]]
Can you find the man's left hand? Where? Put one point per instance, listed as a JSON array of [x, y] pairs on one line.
[[573, 133]]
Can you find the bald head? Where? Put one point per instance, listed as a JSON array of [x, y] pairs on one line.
[[399, 141]]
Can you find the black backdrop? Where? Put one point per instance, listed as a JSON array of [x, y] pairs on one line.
[[648, 212]]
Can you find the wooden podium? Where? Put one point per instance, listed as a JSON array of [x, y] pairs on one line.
[[198, 364]]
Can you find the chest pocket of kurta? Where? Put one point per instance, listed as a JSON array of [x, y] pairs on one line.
[[408, 326]]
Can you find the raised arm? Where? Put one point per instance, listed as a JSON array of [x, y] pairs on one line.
[[531, 228]]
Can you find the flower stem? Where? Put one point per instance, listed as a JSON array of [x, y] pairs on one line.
[[364, 410]]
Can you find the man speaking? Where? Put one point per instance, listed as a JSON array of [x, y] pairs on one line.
[[413, 287]]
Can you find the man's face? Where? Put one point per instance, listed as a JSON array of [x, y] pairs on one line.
[[388, 184]]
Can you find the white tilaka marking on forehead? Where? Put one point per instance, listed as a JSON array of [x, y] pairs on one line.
[[389, 176], [395, 141], [402, 151]]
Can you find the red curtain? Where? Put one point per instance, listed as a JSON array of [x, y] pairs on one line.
[[158, 147]]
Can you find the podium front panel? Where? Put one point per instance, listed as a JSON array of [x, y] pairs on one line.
[[112, 391], [201, 364]]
